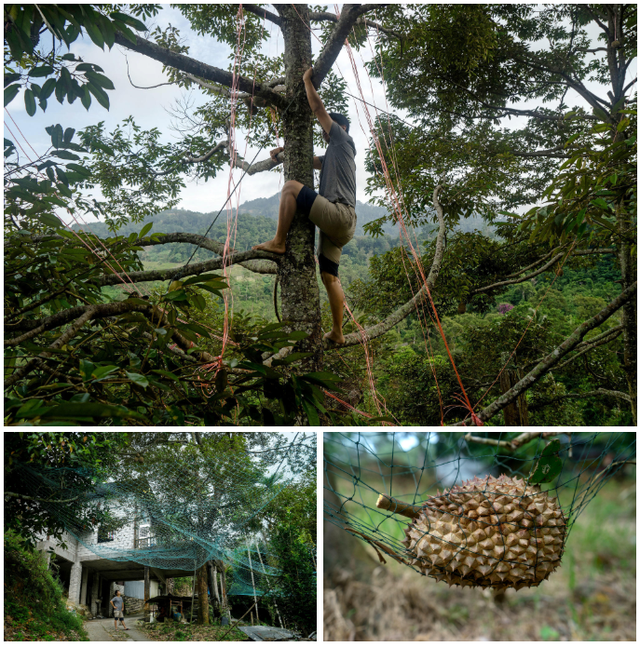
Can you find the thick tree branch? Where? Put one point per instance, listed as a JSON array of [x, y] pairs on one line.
[[348, 18], [554, 357], [324, 16], [599, 340], [189, 270], [259, 167], [545, 267], [68, 334], [511, 445], [394, 318], [261, 12], [199, 69], [276, 85], [208, 155], [257, 266], [550, 152]]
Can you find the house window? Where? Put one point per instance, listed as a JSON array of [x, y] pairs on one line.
[[145, 539], [105, 535]]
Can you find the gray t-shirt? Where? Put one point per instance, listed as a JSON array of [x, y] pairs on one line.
[[117, 601], [338, 174]]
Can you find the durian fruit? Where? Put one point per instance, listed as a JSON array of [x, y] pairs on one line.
[[490, 532]]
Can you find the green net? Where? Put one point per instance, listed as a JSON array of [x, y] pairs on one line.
[[179, 508], [381, 486]]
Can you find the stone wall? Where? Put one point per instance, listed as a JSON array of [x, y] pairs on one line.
[[132, 605]]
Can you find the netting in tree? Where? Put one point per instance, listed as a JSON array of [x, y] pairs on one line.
[[181, 507], [490, 509]]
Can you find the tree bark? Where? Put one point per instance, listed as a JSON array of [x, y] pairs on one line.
[[516, 413], [297, 277], [203, 596], [629, 273], [147, 593]]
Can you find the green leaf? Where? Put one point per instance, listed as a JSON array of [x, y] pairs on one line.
[[145, 230], [85, 97], [138, 379], [29, 102], [66, 155], [94, 33], [323, 375], [102, 371], [68, 135], [11, 78], [10, 93], [100, 80], [43, 70], [312, 413], [549, 465], [79, 169], [129, 20], [297, 335], [99, 94], [169, 374], [50, 220]]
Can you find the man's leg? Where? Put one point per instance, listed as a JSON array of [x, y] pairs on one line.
[[115, 622], [287, 210], [336, 301]]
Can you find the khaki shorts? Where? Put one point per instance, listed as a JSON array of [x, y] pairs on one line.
[[117, 614], [337, 225]]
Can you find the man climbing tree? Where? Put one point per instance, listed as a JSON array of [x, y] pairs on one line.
[[332, 210]]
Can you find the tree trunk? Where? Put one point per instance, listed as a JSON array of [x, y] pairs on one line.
[[629, 273], [147, 593], [213, 589], [516, 413], [203, 596], [297, 272]]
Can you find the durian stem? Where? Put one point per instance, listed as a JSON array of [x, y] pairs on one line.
[[385, 502]]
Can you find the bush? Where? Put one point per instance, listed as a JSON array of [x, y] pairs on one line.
[[34, 607]]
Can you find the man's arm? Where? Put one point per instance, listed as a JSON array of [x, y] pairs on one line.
[[317, 163], [315, 102]]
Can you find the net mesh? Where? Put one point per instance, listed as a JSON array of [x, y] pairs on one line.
[[378, 486], [181, 508]]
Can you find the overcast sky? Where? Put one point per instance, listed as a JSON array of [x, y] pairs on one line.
[[150, 108]]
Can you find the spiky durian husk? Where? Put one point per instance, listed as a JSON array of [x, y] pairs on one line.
[[488, 532]]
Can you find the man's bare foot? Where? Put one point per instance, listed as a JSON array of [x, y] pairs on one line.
[[336, 338], [271, 246]]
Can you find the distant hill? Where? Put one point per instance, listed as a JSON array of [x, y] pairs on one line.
[[255, 220], [268, 207]]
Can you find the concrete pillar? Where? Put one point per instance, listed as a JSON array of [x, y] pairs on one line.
[[75, 582], [95, 592], [83, 588]]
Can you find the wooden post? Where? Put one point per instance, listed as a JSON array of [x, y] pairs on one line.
[[147, 593], [253, 583], [275, 604]]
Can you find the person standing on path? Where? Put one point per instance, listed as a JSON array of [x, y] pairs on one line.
[[118, 605]]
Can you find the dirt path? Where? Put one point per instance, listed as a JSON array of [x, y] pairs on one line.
[[103, 630]]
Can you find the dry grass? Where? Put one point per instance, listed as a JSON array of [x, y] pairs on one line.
[[591, 597]]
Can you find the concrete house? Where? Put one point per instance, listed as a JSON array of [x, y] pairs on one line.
[[93, 580]]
